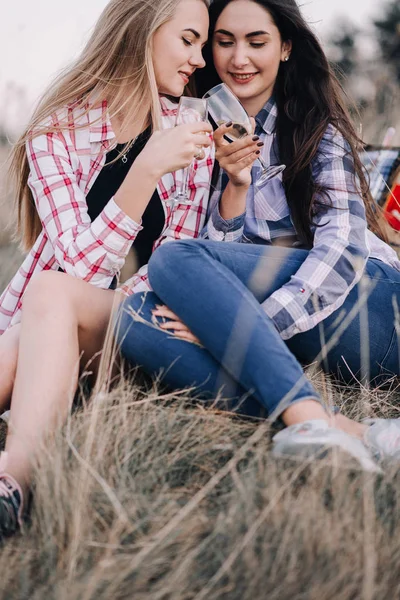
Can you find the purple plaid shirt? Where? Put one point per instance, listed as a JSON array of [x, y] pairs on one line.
[[342, 243]]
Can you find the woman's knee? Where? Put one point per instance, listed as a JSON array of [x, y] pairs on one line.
[[9, 346], [46, 290], [169, 257]]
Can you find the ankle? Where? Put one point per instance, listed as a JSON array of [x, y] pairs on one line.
[[16, 478], [309, 409]]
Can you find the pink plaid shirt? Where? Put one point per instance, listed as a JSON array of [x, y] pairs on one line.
[[63, 168]]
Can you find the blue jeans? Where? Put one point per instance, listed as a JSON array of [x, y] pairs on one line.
[[216, 289]]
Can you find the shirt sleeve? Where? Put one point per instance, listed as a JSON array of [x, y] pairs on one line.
[[337, 259], [93, 251], [185, 223], [217, 228]]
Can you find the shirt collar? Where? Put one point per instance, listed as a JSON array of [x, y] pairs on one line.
[[266, 118], [100, 124]]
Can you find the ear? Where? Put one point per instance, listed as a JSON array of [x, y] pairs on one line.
[[286, 50]]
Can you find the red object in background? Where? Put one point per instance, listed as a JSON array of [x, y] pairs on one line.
[[391, 207]]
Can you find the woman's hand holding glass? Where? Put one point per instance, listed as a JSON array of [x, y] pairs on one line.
[[236, 158], [224, 107], [169, 150]]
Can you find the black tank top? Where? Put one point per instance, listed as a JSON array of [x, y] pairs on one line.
[[107, 184]]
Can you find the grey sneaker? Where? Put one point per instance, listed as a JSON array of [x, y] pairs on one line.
[[315, 438], [382, 438]]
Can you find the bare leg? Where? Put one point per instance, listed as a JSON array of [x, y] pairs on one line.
[[309, 410], [9, 343], [62, 318]]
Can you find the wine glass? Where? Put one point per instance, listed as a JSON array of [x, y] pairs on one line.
[[190, 110], [224, 107]]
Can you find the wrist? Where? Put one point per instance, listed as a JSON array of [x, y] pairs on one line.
[[239, 186], [233, 201], [148, 169]]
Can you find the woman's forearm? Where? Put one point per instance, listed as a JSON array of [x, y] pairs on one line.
[[233, 201], [136, 190]]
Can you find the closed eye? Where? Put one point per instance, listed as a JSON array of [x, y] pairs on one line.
[[252, 44], [187, 42]]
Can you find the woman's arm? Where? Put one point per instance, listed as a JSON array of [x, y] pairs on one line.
[[337, 259], [93, 251], [96, 251], [185, 222], [228, 199]]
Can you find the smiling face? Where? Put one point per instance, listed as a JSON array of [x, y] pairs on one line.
[[177, 47], [247, 51]]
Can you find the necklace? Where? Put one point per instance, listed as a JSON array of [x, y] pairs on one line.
[[128, 149]]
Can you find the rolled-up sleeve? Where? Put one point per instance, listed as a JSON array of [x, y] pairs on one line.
[[217, 228], [337, 259], [93, 251]]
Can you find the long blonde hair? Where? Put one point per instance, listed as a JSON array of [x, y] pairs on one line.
[[116, 65]]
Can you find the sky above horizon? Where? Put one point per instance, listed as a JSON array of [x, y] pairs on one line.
[[37, 40]]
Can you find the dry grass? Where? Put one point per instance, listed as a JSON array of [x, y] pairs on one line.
[[149, 497], [153, 497]]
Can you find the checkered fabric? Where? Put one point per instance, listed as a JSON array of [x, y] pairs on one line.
[[63, 167], [380, 164], [342, 243]]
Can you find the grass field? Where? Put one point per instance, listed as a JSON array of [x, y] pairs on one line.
[[148, 496]]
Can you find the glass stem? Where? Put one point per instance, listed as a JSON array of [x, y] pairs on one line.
[[262, 163], [185, 181]]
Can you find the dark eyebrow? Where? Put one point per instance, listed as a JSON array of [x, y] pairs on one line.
[[195, 33], [248, 35]]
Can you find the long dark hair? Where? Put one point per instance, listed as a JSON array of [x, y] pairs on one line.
[[309, 99]]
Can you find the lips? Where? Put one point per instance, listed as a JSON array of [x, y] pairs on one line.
[[243, 78], [185, 76]]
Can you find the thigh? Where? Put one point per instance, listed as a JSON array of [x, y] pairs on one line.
[[77, 303], [362, 332], [262, 268], [177, 363]]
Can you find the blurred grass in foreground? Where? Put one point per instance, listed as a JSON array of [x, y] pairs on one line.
[[148, 496]]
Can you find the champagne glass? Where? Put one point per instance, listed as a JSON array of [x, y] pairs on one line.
[[224, 107], [190, 110]]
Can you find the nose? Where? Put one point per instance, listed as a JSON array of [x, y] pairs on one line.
[[197, 59], [239, 57]]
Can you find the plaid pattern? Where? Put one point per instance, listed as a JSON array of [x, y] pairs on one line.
[[342, 243], [380, 164], [63, 168]]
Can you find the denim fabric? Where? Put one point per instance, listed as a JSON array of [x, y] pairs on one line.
[[218, 276], [243, 352], [342, 243]]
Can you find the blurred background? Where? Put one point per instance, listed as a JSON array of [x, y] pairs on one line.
[[361, 38]]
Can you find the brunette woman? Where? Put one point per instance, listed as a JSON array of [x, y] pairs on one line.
[[286, 289]]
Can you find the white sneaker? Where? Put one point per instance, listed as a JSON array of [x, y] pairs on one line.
[[382, 438], [314, 438]]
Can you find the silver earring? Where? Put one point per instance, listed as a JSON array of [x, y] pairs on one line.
[[286, 58]]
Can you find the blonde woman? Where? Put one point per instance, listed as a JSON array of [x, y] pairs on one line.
[[95, 174]]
